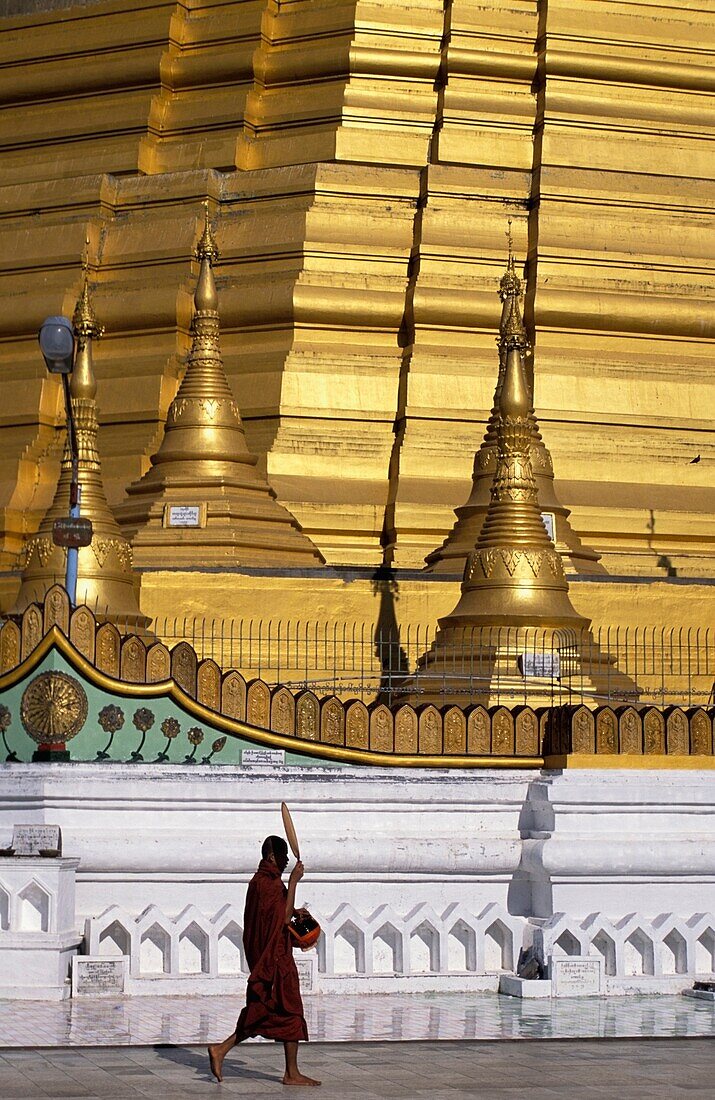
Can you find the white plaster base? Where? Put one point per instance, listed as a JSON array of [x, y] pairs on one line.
[[422, 879], [36, 968], [171, 836]]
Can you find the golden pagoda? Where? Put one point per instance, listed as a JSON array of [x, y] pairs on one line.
[[357, 158], [451, 556], [105, 580], [203, 498]]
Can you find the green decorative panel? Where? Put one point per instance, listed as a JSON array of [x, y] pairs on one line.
[[119, 727]]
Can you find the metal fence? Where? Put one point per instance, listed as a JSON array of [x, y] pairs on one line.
[[647, 665]]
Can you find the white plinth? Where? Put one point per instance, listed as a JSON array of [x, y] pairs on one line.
[[421, 879], [38, 937], [530, 989], [171, 836]]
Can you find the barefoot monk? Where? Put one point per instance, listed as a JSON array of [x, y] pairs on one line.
[[274, 1008]]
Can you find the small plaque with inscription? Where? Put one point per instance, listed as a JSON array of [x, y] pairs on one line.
[[540, 664], [263, 756], [30, 840], [576, 977], [306, 974], [73, 531], [98, 976], [183, 515]]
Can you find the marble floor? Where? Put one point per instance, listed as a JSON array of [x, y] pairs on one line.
[[629, 1069], [182, 1021]]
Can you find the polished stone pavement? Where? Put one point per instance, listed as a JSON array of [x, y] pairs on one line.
[[630, 1069], [394, 1017]]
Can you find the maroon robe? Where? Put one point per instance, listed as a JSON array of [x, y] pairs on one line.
[[274, 1007]]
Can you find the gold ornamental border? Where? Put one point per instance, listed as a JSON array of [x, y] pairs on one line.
[[55, 639]]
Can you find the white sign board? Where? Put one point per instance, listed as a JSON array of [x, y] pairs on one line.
[[263, 756], [98, 976], [183, 515], [542, 664], [576, 977], [29, 840], [549, 521]]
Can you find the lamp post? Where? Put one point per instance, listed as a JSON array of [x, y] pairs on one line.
[[57, 345]]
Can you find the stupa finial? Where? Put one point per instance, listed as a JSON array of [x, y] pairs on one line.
[[206, 252], [206, 247], [510, 285], [460, 542], [84, 319]]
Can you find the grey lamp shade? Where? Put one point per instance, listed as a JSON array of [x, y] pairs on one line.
[[57, 344]]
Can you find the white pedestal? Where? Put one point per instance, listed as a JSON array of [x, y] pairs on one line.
[[512, 986], [37, 927]]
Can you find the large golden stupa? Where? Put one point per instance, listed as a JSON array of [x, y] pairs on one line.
[[360, 162]]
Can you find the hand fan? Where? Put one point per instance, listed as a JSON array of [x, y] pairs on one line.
[[304, 929], [290, 832]]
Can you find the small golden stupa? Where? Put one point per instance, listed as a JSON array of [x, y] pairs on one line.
[[514, 575], [514, 632], [203, 492], [105, 580], [451, 556]]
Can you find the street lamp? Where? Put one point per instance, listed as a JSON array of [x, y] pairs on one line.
[[57, 345]]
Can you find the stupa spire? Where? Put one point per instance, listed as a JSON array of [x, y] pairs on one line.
[[104, 577], [451, 556], [202, 495]]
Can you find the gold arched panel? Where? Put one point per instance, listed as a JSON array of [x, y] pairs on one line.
[[307, 716], [332, 722], [430, 730], [208, 684], [233, 696], [158, 663], [83, 628], [455, 730], [357, 726], [132, 662], [283, 712], [258, 705], [108, 644], [630, 731]]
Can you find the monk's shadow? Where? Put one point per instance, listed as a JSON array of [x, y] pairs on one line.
[[232, 1067]]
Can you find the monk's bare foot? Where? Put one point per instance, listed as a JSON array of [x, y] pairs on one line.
[[299, 1079], [216, 1060]]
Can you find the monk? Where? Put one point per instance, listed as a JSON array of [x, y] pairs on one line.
[[274, 1008]]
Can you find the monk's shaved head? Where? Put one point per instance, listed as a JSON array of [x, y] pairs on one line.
[[274, 846]]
